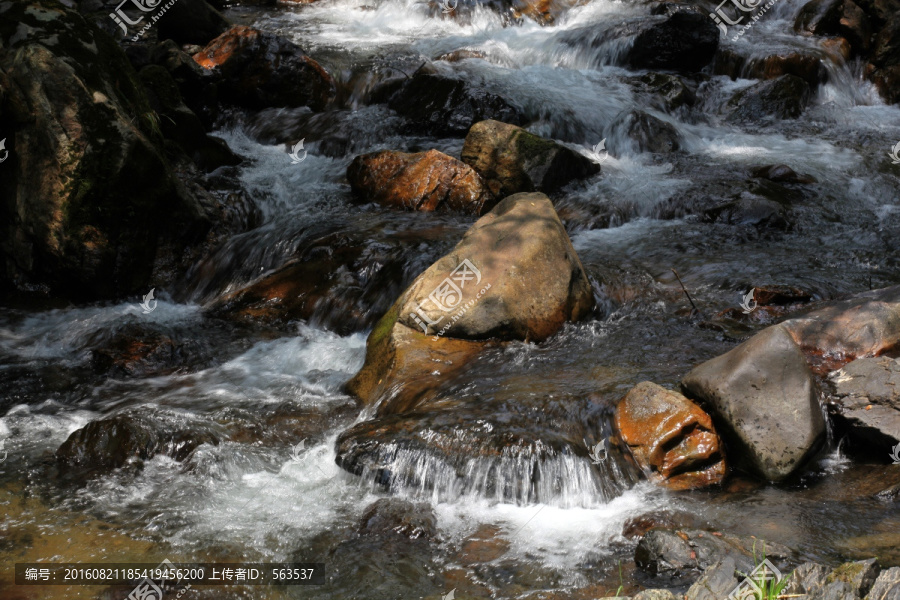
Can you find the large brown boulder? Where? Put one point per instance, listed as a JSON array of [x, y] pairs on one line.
[[260, 70], [86, 195], [513, 276], [424, 181], [513, 160], [670, 437], [764, 399]]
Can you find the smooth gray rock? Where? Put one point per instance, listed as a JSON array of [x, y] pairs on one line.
[[763, 398], [838, 590], [716, 582], [860, 575], [872, 383], [808, 578]]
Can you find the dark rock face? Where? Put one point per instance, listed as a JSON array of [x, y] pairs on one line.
[[191, 22], [139, 352], [867, 400], [259, 70], [116, 441], [686, 41], [423, 181], [806, 65], [643, 133], [836, 18], [782, 98], [750, 210], [440, 105], [512, 160], [885, 60], [88, 194], [765, 403]]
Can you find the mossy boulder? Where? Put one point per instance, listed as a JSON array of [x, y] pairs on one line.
[[513, 160], [87, 195]]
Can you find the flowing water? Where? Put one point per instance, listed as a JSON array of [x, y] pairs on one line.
[[512, 474]]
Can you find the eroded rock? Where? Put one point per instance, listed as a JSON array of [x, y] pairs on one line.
[[671, 437], [867, 400]]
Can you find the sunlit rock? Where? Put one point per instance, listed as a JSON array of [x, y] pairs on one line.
[[670, 437], [423, 181], [764, 400], [513, 160]]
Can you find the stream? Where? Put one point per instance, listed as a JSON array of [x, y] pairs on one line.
[[547, 524]]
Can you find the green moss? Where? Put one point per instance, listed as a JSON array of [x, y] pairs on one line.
[[385, 324], [529, 145], [847, 572]]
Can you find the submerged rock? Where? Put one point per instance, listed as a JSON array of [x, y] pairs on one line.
[[512, 160], [764, 400], [643, 133], [671, 437], [867, 400], [424, 181], [441, 105], [749, 210], [89, 195], [400, 517], [259, 70], [687, 41], [807, 65], [514, 275]]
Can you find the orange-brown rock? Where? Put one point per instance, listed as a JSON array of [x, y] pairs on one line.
[[260, 70], [424, 181], [671, 437]]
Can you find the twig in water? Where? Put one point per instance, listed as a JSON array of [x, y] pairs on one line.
[[691, 300]]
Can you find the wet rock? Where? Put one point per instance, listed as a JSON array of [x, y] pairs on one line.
[[867, 324], [197, 85], [768, 295], [889, 494], [671, 437], [749, 210], [485, 545], [884, 69], [401, 517], [806, 65], [462, 54], [678, 552], [424, 181], [886, 586], [836, 18], [638, 131], [116, 441], [866, 395], [686, 41], [440, 105], [259, 70], [340, 281], [191, 22], [514, 275], [764, 400], [136, 351], [95, 196], [655, 595], [179, 123], [783, 98], [512, 160], [781, 174], [671, 91]]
